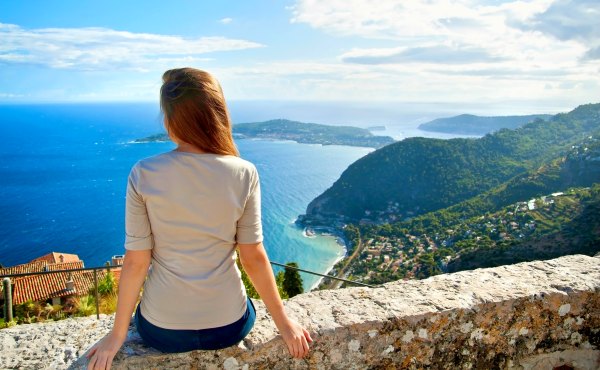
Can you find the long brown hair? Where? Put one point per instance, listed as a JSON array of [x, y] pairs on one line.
[[195, 112]]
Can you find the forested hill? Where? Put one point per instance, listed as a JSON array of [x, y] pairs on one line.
[[579, 167], [468, 124], [420, 175]]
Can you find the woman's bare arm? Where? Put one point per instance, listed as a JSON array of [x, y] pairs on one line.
[[133, 274], [256, 264]]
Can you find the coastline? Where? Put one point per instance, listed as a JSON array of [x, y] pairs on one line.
[[342, 243]]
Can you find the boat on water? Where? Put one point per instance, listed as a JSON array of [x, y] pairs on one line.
[[309, 232]]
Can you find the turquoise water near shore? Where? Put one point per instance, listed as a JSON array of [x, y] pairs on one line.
[[63, 171]]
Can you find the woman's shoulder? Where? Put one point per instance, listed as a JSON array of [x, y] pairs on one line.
[[167, 159], [239, 162], [157, 159]]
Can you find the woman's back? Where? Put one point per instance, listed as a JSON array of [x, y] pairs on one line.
[[198, 206], [185, 212]]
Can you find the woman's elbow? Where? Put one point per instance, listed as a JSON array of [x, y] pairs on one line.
[[138, 261], [252, 255]]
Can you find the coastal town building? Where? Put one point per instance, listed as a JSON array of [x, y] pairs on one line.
[[54, 288]]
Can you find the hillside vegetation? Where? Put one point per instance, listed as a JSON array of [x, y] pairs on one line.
[[580, 167], [420, 175]]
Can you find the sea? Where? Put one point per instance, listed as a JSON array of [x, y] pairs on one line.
[[64, 167]]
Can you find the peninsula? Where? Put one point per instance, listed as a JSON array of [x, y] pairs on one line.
[[305, 133]]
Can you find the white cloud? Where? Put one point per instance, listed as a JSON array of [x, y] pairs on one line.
[[566, 20], [106, 49], [438, 54], [310, 80], [226, 20], [384, 19], [447, 25], [463, 50]]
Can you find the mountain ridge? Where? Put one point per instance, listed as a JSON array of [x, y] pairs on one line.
[[419, 175]]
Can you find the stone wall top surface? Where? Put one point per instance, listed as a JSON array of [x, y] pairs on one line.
[[487, 318]]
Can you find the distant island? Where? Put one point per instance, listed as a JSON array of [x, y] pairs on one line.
[[305, 133], [377, 128], [468, 124]]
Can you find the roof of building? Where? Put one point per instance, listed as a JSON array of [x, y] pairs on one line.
[[42, 287], [25, 268], [65, 266], [116, 273], [39, 265], [57, 257], [47, 286]]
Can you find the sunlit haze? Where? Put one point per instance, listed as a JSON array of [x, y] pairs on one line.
[[534, 55]]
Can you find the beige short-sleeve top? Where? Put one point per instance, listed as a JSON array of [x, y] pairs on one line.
[[190, 210]]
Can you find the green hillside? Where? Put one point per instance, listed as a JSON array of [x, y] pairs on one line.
[[468, 124], [580, 167], [419, 175]]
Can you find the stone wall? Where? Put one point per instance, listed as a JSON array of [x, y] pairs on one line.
[[537, 315]]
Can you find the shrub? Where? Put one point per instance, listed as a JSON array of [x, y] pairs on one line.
[[108, 303], [27, 312], [107, 285], [85, 306], [54, 312]]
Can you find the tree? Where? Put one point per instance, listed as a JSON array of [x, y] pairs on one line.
[[292, 282], [279, 279], [250, 290], [107, 285]]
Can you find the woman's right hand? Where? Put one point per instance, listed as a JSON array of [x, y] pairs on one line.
[[102, 354], [296, 338]]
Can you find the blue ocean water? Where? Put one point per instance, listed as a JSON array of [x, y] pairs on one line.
[[63, 172]]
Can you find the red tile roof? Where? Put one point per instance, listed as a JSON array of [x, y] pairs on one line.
[[25, 268], [47, 286], [117, 274], [65, 266], [43, 287]]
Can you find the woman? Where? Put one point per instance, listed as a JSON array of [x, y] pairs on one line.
[[187, 211]]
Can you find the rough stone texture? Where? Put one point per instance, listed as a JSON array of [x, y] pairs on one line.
[[536, 315], [52, 345]]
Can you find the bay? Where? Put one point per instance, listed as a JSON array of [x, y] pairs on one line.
[[63, 172]]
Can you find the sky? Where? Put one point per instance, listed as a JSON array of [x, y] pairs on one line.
[[542, 53]]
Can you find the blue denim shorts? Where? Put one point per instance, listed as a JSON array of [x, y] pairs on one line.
[[170, 340]]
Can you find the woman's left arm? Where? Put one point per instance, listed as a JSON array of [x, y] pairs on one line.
[[133, 274]]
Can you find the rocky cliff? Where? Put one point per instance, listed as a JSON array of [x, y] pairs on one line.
[[536, 315]]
